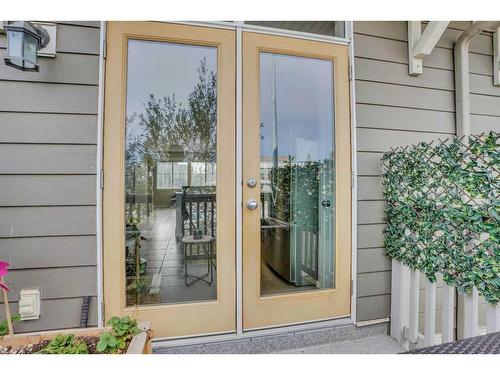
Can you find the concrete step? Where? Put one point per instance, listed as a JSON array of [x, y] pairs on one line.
[[378, 344], [335, 339]]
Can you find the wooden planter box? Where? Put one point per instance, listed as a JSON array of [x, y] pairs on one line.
[[140, 343]]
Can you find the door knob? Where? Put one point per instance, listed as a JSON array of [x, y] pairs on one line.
[[252, 204]]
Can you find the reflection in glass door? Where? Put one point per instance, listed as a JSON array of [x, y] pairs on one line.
[[169, 158], [296, 218], [297, 173], [170, 165]]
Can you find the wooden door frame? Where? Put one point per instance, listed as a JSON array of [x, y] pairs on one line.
[[283, 309], [184, 319]]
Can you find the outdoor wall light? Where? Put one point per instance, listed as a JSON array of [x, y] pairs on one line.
[[24, 40]]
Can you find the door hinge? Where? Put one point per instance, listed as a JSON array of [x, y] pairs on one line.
[[352, 287], [104, 49], [101, 179], [350, 72], [353, 180]]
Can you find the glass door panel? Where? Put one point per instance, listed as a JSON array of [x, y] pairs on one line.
[[297, 169], [171, 134], [296, 245], [168, 159]]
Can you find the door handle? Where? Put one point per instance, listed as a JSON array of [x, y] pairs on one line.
[[326, 203], [252, 204]]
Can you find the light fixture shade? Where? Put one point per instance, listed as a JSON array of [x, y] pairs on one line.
[[23, 43]]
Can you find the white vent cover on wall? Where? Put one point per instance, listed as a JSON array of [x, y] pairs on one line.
[[29, 304]]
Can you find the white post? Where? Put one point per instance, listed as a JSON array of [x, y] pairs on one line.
[[430, 313], [448, 314], [414, 34], [414, 294], [400, 283], [496, 57], [471, 314], [493, 318]]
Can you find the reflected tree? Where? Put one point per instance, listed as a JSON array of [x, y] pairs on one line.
[[167, 125]]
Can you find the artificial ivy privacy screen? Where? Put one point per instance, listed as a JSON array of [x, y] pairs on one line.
[[443, 211]]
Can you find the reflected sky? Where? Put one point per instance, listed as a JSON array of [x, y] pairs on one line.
[[304, 93], [304, 106], [162, 69]]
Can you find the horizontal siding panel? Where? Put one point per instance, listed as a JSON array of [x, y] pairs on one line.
[[374, 116], [483, 124], [369, 163], [49, 190], [44, 252], [385, 29], [370, 188], [371, 212], [72, 38], [374, 283], [375, 307], [373, 260], [485, 105], [77, 39], [47, 221], [373, 47], [47, 128], [387, 72], [398, 30], [370, 235], [483, 85], [65, 68], [46, 97], [47, 159], [56, 314], [54, 282], [480, 64], [81, 23], [382, 140], [395, 51], [404, 96], [48, 137]]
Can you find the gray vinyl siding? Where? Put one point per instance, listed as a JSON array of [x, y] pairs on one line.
[[48, 148], [394, 108]]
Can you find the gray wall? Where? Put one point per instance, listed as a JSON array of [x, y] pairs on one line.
[[394, 108], [48, 136]]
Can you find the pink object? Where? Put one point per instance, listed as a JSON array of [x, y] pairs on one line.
[[3, 272], [3, 268]]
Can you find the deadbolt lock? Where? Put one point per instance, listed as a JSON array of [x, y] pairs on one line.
[[251, 183]]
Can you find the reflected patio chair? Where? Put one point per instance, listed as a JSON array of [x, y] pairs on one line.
[[198, 232]]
